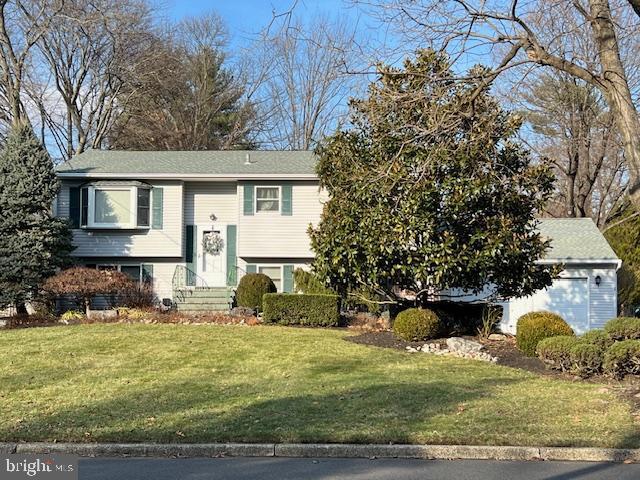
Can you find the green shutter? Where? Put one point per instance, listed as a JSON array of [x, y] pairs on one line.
[[190, 254], [147, 273], [287, 280], [286, 200], [74, 206], [248, 199], [157, 195], [251, 268], [232, 259]]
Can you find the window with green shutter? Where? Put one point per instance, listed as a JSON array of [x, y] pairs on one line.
[[287, 203], [248, 199]]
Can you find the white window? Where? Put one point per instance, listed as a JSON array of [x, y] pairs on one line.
[[134, 271], [115, 207], [274, 272], [267, 199], [112, 206]]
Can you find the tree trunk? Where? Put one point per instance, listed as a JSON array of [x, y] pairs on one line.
[[21, 309], [616, 89]]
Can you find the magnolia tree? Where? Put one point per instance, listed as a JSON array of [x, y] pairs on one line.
[[429, 191]]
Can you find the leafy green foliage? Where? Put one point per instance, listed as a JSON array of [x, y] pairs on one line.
[[417, 324], [555, 351], [302, 309], [534, 326], [623, 328], [307, 282], [33, 243], [622, 358], [251, 289], [596, 337], [586, 358], [623, 237], [429, 188]]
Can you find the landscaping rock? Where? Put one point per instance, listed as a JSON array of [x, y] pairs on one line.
[[458, 344], [497, 336], [456, 347], [100, 315], [242, 312]]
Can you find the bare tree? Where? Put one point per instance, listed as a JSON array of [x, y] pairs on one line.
[[572, 126], [521, 33], [305, 83], [90, 50], [22, 25]]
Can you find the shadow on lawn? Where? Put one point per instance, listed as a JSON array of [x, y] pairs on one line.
[[379, 413]]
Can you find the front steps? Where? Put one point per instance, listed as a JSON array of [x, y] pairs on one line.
[[202, 299]]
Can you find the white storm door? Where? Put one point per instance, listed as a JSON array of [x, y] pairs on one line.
[[212, 267]]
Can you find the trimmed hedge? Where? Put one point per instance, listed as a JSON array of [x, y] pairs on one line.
[[535, 326], [623, 328], [622, 358], [555, 352], [251, 289], [586, 358], [596, 337], [301, 309], [417, 324]]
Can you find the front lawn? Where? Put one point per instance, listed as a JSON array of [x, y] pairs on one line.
[[190, 383]]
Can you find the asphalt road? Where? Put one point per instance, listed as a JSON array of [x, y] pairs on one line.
[[339, 469]]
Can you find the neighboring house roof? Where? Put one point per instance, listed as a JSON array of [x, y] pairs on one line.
[[576, 240], [195, 164]]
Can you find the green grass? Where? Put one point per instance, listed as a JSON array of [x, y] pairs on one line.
[[182, 383]]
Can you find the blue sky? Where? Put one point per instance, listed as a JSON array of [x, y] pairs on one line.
[[245, 18]]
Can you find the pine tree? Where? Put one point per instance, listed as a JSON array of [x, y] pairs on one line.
[[33, 243]]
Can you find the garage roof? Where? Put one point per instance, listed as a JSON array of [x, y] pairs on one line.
[[575, 239]]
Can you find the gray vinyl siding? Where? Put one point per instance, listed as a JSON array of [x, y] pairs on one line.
[[271, 234], [165, 242]]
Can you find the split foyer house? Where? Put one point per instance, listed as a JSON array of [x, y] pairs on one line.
[[148, 214]]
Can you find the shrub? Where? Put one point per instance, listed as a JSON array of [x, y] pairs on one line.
[[623, 328], [622, 358], [307, 282], [133, 313], [301, 309], [137, 295], [555, 351], [72, 316], [534, 326], [82, 284], [491, 316], [417, 324], [251, 288], [596, 337], [586, 358]]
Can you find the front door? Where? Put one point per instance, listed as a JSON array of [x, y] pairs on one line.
[[211, 256]]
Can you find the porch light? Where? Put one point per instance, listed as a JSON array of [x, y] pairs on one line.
[[598, 280]]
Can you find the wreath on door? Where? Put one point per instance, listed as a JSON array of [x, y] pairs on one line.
[[212, 243]]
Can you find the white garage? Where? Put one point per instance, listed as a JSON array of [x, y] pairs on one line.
[[585, 295]]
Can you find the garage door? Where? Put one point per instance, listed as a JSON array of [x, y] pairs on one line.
[[568, 297]]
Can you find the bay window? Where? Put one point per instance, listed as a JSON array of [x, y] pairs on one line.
[[116, 206]]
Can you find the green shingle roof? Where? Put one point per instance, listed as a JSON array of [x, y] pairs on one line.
[[181, 163], [575, 239]]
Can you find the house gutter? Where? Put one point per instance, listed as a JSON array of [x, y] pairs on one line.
[[195, 177]]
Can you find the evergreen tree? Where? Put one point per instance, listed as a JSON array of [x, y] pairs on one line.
[[429, 191], [623, 233], [33, 243]]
